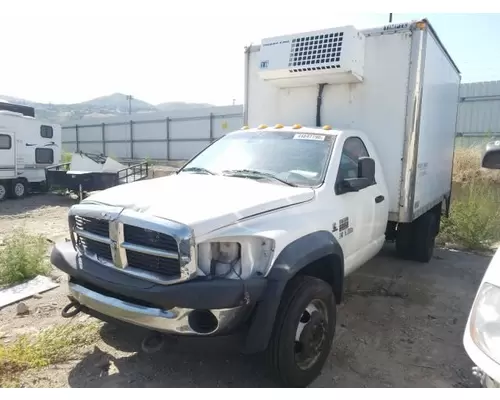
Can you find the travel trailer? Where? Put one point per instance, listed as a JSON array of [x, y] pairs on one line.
[[27, 146]]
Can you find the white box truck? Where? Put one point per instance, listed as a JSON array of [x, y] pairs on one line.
[[27, 146], [349, 143]]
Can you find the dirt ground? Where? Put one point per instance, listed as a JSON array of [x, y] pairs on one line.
[[400, 326]]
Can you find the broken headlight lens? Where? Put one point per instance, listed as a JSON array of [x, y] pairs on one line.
[[235, 258]]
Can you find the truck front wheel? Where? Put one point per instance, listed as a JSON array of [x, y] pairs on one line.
[[303, 331]]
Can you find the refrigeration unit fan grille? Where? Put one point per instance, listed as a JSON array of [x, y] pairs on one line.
[[318, 52]]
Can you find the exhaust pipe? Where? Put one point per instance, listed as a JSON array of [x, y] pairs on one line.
[[71, 309]]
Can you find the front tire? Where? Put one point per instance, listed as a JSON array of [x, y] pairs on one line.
[[303, 331]]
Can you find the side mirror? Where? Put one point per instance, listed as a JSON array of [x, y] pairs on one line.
[[491, 156], [366, 169], [366, 177]]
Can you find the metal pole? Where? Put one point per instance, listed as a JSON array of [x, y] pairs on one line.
[[132, 139], [129, 98], [77, 138], [390, 17], [103, 137], [211, 128], [167, 125]]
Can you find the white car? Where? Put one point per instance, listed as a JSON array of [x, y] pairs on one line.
[[482, 333]]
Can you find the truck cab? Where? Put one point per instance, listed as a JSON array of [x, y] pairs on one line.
[[284, 205]]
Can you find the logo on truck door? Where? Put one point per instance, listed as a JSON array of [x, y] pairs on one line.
[[344, 228]]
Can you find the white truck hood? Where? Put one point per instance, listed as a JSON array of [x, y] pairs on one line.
[[203, 202]]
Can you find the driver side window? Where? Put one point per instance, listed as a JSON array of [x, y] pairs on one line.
[[353, 149]]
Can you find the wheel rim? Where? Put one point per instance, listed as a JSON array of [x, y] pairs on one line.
[[311, 334], [2, 192], [19, 189]]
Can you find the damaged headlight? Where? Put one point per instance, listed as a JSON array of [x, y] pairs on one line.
[[485, 321], [236, 257]]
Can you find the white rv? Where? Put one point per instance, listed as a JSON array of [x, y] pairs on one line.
[[27, 147]]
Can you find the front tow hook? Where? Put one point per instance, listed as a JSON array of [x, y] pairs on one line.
[[71, 309]]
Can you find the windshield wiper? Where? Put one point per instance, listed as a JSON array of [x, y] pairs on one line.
[[255, 173], [199, 169]]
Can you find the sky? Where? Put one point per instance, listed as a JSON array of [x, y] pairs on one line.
[[67, 52]]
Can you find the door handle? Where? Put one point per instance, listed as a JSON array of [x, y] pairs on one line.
[[379, 199]]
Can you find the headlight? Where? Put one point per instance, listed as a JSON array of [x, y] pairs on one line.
[[235, 257], [485, 321]]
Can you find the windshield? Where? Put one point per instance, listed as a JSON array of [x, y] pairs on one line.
[[298, 159]]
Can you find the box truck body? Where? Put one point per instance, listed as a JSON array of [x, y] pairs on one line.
[[395, 83]]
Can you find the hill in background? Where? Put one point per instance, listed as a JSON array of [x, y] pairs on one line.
[[105, 106]]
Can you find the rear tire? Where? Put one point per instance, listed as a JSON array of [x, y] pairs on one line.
[[425, 237], [404, 241], [19, 189], [416, 241], [303, 331], [3, 191]]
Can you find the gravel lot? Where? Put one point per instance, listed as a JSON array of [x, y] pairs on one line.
[[401, 326]]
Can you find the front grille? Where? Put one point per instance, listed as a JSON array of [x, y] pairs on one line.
[[101, 250], [93, 238], [145, 237], [161, 265], [93, 225]]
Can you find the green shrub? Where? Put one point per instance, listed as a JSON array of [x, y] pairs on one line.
[[53, 345], [150, 161], [23, 256], [65, 157], [474, 221]]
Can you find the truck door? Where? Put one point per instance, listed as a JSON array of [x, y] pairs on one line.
[[355, 225], [7, 155]]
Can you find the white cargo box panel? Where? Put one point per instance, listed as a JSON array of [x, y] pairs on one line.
[[406, 103], [326, 56]]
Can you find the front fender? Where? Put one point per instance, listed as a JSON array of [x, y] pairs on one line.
[[292, 260]]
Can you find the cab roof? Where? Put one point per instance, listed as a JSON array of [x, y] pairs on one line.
[[325, 130]]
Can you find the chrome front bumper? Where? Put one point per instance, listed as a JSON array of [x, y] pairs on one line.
[[178, 321]]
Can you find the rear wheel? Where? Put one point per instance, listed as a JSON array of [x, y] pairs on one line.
[[3, 191], [416, 241], [425, 237], [303, 331], [404, 241], [19, 189]]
